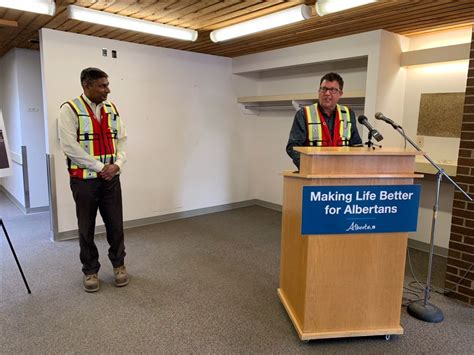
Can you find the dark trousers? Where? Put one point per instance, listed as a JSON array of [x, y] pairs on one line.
[[91, 195]]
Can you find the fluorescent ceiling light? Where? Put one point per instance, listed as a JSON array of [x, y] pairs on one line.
[[128, 23], [47, 7], [324, 7], [277, 19]]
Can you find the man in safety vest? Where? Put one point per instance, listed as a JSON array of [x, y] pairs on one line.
[[325, 123], [93, 138]]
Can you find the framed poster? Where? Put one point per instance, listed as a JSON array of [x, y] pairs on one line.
[[5, 161]]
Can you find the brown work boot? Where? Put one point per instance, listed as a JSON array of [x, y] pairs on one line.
[[90, 283], [121, 276]]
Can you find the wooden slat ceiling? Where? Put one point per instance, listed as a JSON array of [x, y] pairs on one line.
[[20, 29]]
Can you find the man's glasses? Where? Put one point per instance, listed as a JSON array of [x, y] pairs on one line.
[[325, 89]]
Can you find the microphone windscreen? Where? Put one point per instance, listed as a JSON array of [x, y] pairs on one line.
[[362, 118], [379, 115]]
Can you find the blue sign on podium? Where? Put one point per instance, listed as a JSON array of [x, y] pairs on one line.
[[360, 209]]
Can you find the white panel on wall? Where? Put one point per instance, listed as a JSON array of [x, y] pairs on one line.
[[32, 121]]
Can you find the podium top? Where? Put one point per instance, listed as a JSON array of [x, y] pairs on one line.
[[356, 151]]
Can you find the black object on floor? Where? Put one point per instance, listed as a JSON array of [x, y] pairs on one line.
[[14, 255]]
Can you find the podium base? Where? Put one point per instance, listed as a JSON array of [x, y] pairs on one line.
[[425, 312], [314, 334]]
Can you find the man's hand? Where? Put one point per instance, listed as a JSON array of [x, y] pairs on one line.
[[109, 171]]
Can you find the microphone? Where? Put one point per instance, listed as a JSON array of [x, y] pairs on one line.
[[372, 131], [380, 116]]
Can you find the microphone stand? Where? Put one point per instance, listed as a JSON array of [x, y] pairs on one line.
[[421, 309], [14, 255], [371, 144]]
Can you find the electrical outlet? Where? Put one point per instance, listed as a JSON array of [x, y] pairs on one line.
[[420, 140]]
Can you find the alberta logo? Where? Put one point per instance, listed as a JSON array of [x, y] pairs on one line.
[[356, 227]]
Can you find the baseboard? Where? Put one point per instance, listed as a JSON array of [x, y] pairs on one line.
[[272, 206], [37, 209], [13, 199], [18, 204], [416, 244], [164, 218], [72, 234]]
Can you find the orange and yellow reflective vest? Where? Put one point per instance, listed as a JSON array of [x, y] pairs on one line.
[[98, 139], [317, 131]]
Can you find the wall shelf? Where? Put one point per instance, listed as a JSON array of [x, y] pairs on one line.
[[254, 104], [435, 55]]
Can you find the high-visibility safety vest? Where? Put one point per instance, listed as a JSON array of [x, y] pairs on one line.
[[98, 139], [318, 134]]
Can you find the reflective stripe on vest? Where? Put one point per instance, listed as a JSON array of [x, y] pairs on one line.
[[314, 126], [114, 124], [98, 139]]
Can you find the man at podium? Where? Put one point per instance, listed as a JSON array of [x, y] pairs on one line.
[[326, 123]]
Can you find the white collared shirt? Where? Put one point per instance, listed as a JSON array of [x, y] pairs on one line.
[[68, 125]]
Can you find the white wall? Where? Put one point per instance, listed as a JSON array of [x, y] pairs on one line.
[[348, 47], [441, 38], [271, 128], [385, 86], [433, 78], [393, 90], [187, 141], [23, 115], [297, 70], [181, 107], [32, 121], [10, 105]]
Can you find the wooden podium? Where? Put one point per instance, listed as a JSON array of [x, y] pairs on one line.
[[343, 285]]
